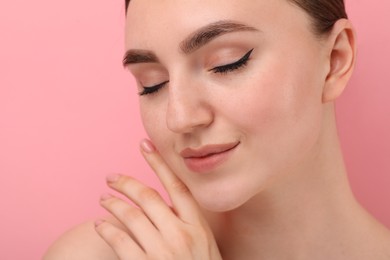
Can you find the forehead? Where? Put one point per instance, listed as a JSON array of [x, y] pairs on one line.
[[168, 20]]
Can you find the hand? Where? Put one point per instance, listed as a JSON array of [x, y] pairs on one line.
[[155, 230]]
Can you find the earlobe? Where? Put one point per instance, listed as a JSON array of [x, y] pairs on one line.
[[342, 42]]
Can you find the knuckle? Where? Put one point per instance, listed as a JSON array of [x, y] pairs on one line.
[[180, 187], [119, 240], [194, 237], [187, 240], [148, 194], [182, 239], [132, 214]]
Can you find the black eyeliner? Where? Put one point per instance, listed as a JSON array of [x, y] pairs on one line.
[[233, 66], [152, 89]]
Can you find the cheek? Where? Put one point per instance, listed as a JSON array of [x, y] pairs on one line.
[[153, 119], [153, 115], [275, 99], [279, 111]]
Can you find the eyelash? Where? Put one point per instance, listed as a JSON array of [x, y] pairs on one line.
[[152, 89], [233, 66], [220, 69]]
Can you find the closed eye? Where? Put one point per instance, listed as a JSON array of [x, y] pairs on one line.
[[233, 66], [220, 69], [152, 89]]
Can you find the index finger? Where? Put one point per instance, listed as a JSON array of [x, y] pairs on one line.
[[182, 200]]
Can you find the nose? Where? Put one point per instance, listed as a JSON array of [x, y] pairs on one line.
[[188, 108]]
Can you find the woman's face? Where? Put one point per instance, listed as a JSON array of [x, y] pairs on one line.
[[236, 96]]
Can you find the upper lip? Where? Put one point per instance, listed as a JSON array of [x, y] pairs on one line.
[[207, 150]]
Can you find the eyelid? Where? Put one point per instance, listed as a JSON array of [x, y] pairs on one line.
[[231, 66]]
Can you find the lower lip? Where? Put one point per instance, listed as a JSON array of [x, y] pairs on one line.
[[208, 163]]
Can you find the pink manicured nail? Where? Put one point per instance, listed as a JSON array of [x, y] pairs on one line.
[[112, 177], [98, 222], [147, 146], [105, 197]]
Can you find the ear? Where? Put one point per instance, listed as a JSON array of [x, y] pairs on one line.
[[342, 55]]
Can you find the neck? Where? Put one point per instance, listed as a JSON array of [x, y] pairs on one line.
[[305, 209]]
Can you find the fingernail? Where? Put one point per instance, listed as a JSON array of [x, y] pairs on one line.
[[98, 222], [112, 177], [105, 197], [147, 146]]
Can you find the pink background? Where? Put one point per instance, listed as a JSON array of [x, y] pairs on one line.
[[69, 116]]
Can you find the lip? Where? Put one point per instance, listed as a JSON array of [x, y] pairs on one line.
[[208, 157]]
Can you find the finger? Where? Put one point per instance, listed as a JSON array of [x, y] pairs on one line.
[[184, 204], [119, 241], [135, 221], [148, 199]]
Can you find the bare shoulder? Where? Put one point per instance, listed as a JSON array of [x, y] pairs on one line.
[[80, 243]]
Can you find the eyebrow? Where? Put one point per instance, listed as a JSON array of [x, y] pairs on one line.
[[209, 32], [139, 56], [191, 43]]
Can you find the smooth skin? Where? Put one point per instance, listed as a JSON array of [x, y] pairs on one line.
[[284, 192]]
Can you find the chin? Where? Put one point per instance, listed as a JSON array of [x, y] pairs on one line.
[[218, 206], [220, 201]]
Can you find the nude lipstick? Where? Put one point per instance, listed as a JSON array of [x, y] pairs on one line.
[[208, 157]]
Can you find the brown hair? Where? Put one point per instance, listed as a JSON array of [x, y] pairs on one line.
[[324, 13]]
